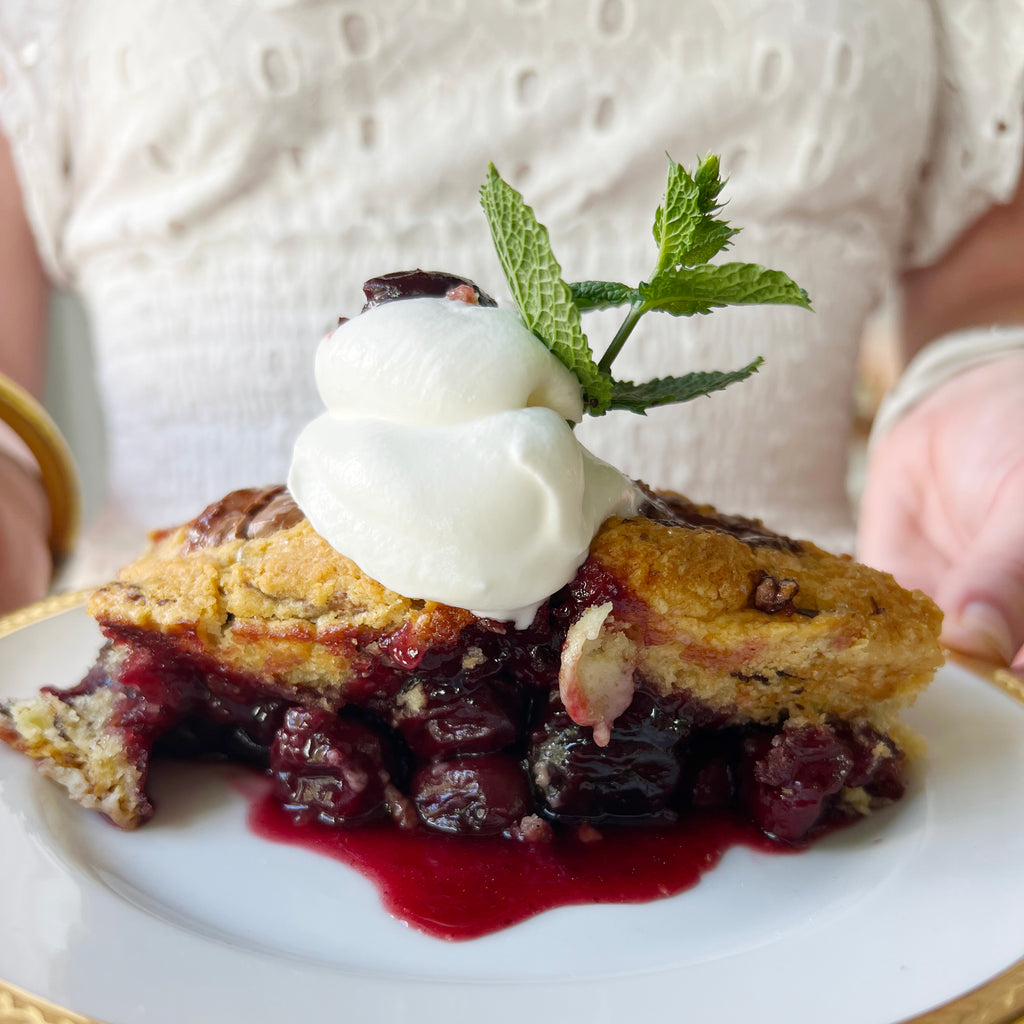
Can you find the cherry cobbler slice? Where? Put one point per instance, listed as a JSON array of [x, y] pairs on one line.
[[695, 660]]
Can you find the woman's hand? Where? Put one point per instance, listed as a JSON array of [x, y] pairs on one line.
[[25, 564], [943, 509], [24, 511]]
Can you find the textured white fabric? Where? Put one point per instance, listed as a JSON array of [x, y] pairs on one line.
[[217, 177]]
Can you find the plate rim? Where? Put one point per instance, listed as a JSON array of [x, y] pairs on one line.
[[999, 1000]]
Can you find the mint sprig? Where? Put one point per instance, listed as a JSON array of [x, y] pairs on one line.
[[688, 234]]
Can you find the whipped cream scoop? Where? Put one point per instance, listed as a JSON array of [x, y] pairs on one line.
[[445, 465]]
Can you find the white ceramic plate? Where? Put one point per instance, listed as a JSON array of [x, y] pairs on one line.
[[194, 919]]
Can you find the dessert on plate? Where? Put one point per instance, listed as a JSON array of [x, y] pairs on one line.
[[457, 619]]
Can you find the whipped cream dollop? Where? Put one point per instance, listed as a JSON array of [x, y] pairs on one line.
[[445, 465]]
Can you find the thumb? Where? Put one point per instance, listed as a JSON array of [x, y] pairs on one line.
[[982, 593]]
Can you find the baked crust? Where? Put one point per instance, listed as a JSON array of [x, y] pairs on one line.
[[851, 642], [69, 738], [287, 608]]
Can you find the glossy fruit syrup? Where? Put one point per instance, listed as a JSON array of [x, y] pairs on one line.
[[458, 888]]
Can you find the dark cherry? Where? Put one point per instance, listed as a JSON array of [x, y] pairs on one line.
[[415, 284], [221, 728], [877, 764], [805, 755], [592, 585], [258, 719], [330, 768], [531, 656], [633, 778], [887, 783], [713, 785], [790, 778], [486, 649], [789, 815], [157, 693], [442, 719], [481, 795]]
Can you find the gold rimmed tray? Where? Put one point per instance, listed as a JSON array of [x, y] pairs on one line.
[[41, 435], [20, 1007]]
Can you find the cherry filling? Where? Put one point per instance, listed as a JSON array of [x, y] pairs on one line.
[[634, 778], [477, 740], [444, 719], [479, 795]]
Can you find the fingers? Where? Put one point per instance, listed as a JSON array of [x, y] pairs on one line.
[[24, 554], [894, 543], [889, 535], [982, 593]]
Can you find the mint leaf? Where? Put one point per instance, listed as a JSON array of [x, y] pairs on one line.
[[709, 238], [709, 182], [677, 217], [685, 228], [639, 398], [590, 295], [689, 290], [711, 235], [534, 277]]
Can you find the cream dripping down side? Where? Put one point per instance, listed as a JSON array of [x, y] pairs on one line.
[[445, 465]]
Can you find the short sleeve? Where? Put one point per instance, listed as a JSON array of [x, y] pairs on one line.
[[977, 139], [34, 90]]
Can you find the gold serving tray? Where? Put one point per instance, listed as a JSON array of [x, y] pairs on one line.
[[31, 422], [998, 1001]]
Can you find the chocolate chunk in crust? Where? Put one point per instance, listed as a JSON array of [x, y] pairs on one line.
[[243, 515], [671, 509], [772, 595]]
